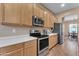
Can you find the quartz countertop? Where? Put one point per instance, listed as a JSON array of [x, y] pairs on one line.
[[53, 34], [10, 40]]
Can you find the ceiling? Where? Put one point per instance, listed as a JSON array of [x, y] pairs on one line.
[[56, 7]]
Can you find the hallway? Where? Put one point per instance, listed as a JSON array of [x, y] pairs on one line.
[[68, 48]]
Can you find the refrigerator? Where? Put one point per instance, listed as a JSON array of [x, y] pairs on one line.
[[58, 28]]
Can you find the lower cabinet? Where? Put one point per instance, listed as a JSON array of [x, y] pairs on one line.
[[52, 41], [18, 52], [22, 49], [12, 50], [30, 48]]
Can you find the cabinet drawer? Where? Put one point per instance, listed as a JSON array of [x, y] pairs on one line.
[[30, 42], [7, 49], [18, 52], [30, 48]]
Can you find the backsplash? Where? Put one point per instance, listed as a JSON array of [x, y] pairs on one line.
[[6, 30]]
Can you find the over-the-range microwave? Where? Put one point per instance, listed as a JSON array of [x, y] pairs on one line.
[[36, 21]]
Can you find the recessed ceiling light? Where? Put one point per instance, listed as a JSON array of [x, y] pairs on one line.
[[62, 5]]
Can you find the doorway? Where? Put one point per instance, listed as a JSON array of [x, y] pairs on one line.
[[70, 36], [73, 32]]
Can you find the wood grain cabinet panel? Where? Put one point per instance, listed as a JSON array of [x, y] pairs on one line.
[[45, 20], [51, 24], [18, 52], [36, 10], [12, 13], [13, 50], [22, 49], [26, 14], [41, 12], [52, 41], [48, 20], [30, 48], [1, 12]]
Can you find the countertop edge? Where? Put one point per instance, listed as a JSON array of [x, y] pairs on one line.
[[15, 40]]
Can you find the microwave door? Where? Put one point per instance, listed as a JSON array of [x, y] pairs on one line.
[[34, 20], [37, 21]]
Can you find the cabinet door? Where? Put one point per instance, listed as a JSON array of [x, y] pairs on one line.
[[1, 12], [45, 19], [36, 10], [48, 20], [41, 12], [26, 14], [30, 48], [55, 19], [51, 20], [16, 49], [52, 41], [18, 52], [12, 13], [55, 39]]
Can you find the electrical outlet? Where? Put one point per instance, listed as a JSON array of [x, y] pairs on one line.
[[14, 30]]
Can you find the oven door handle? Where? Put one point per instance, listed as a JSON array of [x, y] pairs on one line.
[[43, 38]]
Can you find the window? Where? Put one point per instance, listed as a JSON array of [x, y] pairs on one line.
[[72, 28]]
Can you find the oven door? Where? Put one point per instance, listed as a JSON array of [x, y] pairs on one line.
[[42, 44]]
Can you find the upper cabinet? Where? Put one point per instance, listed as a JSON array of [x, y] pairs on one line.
[[26, 14], [21, 13], [18, 14], [12, 13], [51, 24], [48, 17], [41, 12], [47, 20], [1, 13], [38, 11]]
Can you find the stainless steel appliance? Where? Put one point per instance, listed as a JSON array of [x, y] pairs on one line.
[[36, 21], [42, 43], [58, 29]]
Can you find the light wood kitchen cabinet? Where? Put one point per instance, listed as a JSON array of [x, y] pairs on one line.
[[46, 17], [13, 50], [41, 13], [55, 19], [18, 52], [52, 41], [22, 14], [36, 11], [51, 18], [30, 48], [26, 14], [48, 20], [1, 12], [12, 13], [18, 13]]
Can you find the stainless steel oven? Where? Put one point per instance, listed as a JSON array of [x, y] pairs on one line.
[[42, 42], [43, 46]]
